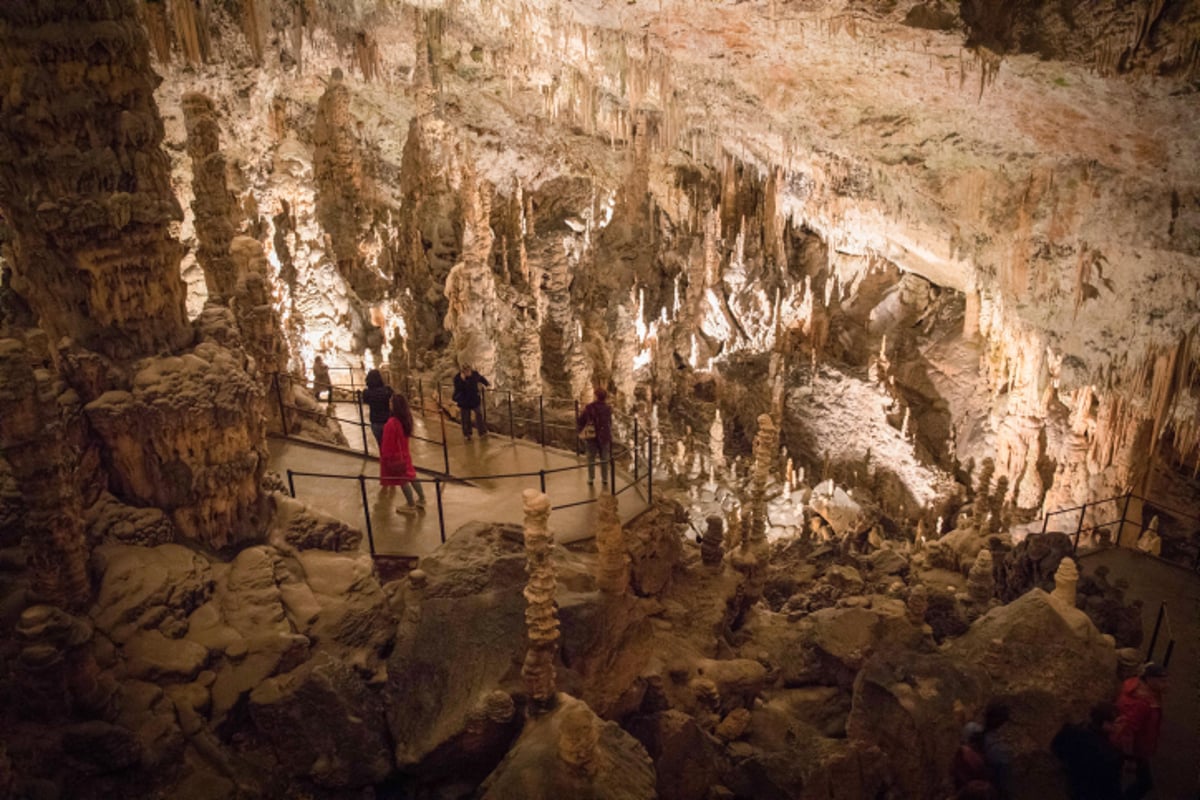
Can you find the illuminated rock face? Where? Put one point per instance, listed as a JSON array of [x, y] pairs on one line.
[[188, 437], [96, 259]]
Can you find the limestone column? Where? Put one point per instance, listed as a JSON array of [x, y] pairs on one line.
[[84, 180], [541, 618], [213, 205]]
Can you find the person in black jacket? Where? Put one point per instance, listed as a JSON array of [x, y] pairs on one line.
[[468, 400], [595, 428], [1092, 762], [378, 398]]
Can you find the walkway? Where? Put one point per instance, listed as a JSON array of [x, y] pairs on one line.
[[481, 499], [1177, 766]]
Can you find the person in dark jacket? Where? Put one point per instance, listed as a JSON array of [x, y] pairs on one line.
[[468, 399], [1092, 762], [598, 437], [996, 752], [378, 399], [322, 383]]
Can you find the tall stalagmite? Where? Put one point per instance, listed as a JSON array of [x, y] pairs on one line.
[[541, 618], [83, 178]]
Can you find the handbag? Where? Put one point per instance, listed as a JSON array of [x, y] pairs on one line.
[[588, 432]]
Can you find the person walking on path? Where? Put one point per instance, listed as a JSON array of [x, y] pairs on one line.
[[378, 399], [468, 399], [1139, 723], [395, 460], [1092, 762], [322, 383], [594, 427], [996, 752]]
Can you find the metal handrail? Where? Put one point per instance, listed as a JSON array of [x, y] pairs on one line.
[[439, 483], [1120, 522]]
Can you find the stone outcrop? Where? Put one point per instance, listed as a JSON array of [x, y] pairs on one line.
[[202, 458], [213, 205], [613, 561], [541, 616]]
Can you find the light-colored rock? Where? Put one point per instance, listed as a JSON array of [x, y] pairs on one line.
[[151, 656]]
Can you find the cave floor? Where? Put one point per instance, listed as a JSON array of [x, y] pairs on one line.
[[1153, 581], [484, 499]]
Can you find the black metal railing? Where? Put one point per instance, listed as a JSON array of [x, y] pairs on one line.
[[440, 484], [1162, 618], [1113, 513]]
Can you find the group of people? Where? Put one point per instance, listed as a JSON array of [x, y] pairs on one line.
[[1118, 738]]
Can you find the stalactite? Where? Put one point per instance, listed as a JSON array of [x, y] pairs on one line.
[[541, 618], [154, 14], [191, 28], [252, 26]]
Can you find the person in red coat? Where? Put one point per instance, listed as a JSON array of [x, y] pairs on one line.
[[395, 460], [1139, 722]]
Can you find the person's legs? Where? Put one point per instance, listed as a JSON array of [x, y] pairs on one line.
[[377, 429], [416, 484], [1142, 782], [605, 457], [409, 505], [465, 414], [590, 444], [478, 411]]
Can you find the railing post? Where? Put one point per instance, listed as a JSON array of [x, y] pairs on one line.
[[1166, 662], [542, 420], [362, 424], [445, 447], [1045, 521], [1124, 513], [438, 395], [576, 427], [612, 469], [650, 469], [1079, 529], [542, 479], [437, 488], [362, 488], [283, 426], [512, 431], [483, 393], [1154, 636], [636, 450], [421, 394], [291, 484]]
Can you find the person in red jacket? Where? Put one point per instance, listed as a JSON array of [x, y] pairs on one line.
[[395, 460], [1139, 721]]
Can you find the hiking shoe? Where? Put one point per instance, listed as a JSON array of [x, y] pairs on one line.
[[406, 509]]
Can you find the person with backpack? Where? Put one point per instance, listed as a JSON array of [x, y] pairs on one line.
[[468, 399], [594, 427], [1139, 725], [377, 397]]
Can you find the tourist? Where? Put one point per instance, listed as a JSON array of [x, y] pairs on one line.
[[968, 769], [395, 459], [1139, 722], [378, 399], [1093, 764], [321, 380], [595, 429], [468, 399], [996, 753]]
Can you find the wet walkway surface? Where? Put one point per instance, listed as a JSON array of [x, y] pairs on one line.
[[1176, 768], [480, 498]]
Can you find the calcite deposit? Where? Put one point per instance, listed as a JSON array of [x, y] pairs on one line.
[[896, 303]]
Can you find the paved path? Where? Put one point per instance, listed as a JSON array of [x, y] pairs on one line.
[[482, 499], [1177, 765]]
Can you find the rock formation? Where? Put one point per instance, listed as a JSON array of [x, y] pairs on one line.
[[541, 619], [612, 561]]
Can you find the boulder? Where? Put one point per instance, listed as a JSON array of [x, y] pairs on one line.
[[1045, 659], [911, 707], [304, 528], [655, 549], [570, 752], [324, 724], [847, 637], [686, 759], [142, 586], [101, 746], [833, 505], [153, 657], [825, 708]]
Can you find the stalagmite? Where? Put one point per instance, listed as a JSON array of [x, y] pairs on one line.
[[711, 551], [1065, 579], [578, 740], [752, 556], [716, 439], [981, 582], [541, 618], [612, 564], [917, 604]]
